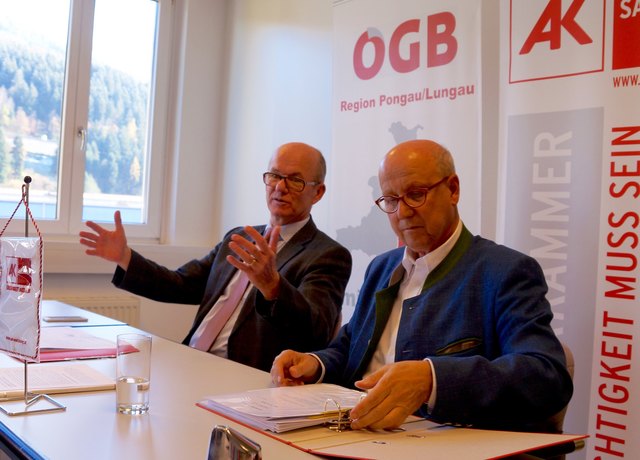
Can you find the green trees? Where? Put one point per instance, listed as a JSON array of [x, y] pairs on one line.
[[31, 84], [5, 166], [17, 156]]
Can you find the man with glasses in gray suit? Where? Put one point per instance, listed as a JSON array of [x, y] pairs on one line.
[[262, 289]]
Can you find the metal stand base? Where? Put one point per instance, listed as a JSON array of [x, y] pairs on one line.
[[26, 407]]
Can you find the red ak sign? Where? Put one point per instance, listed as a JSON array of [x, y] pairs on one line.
[[555, 38]]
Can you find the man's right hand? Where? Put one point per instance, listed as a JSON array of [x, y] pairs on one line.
[[293, 368], [110, 245]]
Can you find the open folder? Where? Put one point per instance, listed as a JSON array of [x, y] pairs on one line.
[[305, 417], [285, 408]]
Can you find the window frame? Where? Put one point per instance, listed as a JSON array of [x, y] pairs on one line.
[[75, 108]]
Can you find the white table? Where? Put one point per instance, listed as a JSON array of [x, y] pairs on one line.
[[174, 428]]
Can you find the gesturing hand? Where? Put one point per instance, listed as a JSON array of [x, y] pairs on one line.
[[257, 259], [107, 244]]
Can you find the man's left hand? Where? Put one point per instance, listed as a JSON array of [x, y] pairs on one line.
[[257, 259], [395, 391]]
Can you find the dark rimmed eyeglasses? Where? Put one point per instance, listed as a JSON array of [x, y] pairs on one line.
[[414, 198], [295, 183]]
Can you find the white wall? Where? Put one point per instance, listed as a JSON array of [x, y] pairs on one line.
[[279, 90], [251, 74]]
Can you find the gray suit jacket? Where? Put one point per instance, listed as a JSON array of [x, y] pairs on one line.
[[314, 271]]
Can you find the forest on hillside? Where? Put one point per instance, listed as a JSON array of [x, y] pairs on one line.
[[31, 96]]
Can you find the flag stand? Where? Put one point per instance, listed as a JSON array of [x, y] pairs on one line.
[[30, 399]]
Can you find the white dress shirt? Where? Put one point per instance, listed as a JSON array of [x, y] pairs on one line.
[[413, 279]]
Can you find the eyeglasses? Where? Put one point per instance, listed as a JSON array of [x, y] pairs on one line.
[[297, 184], [414, 198]]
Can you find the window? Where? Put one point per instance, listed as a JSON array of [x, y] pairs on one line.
[[81, 111]]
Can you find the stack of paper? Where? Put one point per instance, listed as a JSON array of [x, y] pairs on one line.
[[69, 378], [65, 343], [284, 408]]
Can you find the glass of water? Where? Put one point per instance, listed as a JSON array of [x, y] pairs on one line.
[[133, 373]]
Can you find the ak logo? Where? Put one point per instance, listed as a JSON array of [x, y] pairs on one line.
[[555, 38], [18, 274]]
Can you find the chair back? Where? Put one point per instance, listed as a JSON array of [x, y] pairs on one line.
[[338, 326], [556, 422]]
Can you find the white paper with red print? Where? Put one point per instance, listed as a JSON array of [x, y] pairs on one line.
[[20, 293]]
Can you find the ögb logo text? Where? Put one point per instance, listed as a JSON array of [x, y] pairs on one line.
[[18, 274], [413, 44], [555, 38]]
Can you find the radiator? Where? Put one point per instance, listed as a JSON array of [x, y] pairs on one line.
[[122, 308]]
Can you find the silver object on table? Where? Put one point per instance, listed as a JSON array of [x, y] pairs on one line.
[[228, 444]]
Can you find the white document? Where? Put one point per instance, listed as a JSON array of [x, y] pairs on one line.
[[69, 378], [70, 338], [285, 408]]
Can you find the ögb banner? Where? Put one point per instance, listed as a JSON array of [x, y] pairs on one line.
[[570, 150], [410, 71]]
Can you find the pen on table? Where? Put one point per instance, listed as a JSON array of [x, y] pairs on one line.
[[64, 319], [11, 395]]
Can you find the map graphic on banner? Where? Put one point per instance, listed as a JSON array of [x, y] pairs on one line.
[[373, 235], [401, 73]]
